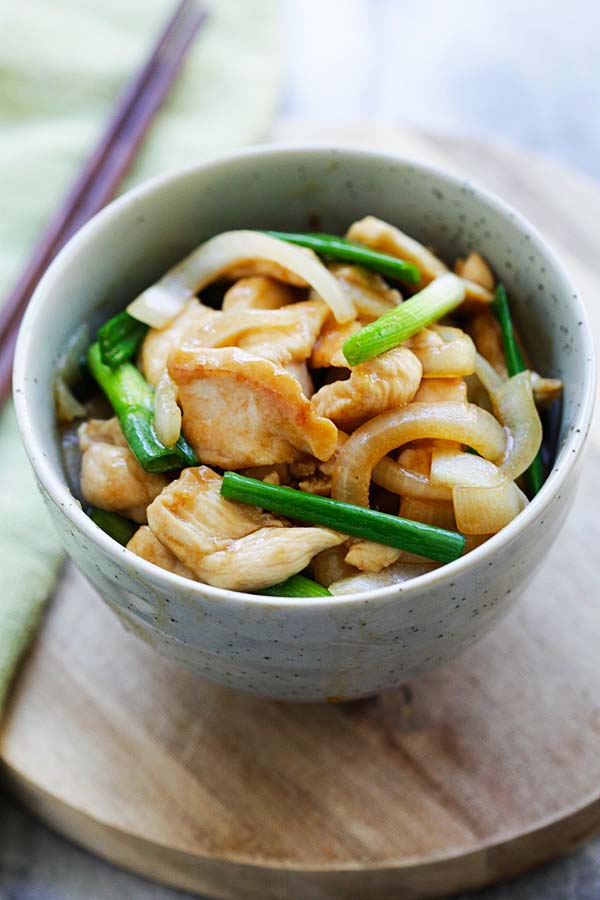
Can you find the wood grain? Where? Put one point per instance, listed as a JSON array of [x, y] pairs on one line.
[[469, 775]]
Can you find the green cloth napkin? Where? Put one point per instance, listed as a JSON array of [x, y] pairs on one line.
[[62, 65]]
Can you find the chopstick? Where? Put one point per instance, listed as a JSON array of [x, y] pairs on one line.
[[104, 169]]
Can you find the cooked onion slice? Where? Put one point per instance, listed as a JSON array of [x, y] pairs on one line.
[[485, 500], [370, 581], [461, 422], [162, 301], [486, 510], [167, 415], [67, 405], [399, 479], [515, 407]]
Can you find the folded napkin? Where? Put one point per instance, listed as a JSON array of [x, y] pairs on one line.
[[63, 64]]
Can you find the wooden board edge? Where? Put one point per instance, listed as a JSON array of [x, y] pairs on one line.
[[223, 879]]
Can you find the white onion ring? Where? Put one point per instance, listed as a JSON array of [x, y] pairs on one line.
[[461, 422], [167, 415], [161, 302]]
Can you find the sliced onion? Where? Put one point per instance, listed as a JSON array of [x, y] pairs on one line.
[[399, 479], [514, 404], [515, 408], [486, 510], [397, 573], [162, 301], [167, 415], [461, 422], [487, 374], [67, 406], [329, 565], [485, 500]]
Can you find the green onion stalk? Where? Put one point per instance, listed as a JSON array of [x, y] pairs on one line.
[[515, 364], [131, 397], [405, 534]]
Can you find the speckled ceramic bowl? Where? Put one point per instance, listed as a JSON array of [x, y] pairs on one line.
[[314, 649]]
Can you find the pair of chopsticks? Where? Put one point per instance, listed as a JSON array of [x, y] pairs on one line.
[[104, 169]]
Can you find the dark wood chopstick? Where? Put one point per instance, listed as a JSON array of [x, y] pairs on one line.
[[104, 169]]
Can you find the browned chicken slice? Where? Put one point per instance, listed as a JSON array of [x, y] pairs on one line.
[[228, 544], [444, 352], [382, 383], [436, 390], [382, 236], [159, 341], [111, 477], [327, 350], [370, 294], [251, 267], [146, 545], [370, 557], [475, 268], [257, 292], [300, 372], [240, 410], [282, 335]]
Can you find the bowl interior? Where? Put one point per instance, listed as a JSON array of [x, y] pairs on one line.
[[131, 243]]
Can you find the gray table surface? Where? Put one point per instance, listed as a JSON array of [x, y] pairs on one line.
[[526, 72]]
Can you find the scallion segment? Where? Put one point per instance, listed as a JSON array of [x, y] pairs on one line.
[[405, 534], [333, 247], [296, 586], [131, 397], [392, 328], [118, 527], [119, 339], [515, 364]]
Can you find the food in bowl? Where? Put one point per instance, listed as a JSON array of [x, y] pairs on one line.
[[308, 414]]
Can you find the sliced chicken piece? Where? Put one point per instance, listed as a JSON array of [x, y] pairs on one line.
[[300, 372], [436, 390], [444, 352], [282, 335], [382, 383], [545, 390], [100, 431], [240, 410], [317, 484], [487, 337], [228, 544], [111, 477], [271, 474], [379, 235], [146, 545], [327, 350], [251, 267], [368, 556], [474, 268], [159, 341], [257, 292], [371, 295]]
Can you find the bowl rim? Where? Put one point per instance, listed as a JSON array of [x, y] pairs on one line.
[[58, 489]]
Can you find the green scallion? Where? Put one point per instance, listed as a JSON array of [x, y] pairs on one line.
[[333, 247], [296, 586], [393, 327], [515, 364], [131, 397], [119, 339], [426, 540], [118, 527]]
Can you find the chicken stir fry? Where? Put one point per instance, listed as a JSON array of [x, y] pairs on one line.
[[352, 409]]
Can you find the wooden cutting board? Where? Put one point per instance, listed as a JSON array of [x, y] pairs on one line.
[[471, 774]]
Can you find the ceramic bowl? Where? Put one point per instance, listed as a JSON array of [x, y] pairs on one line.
[[320, 648]]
